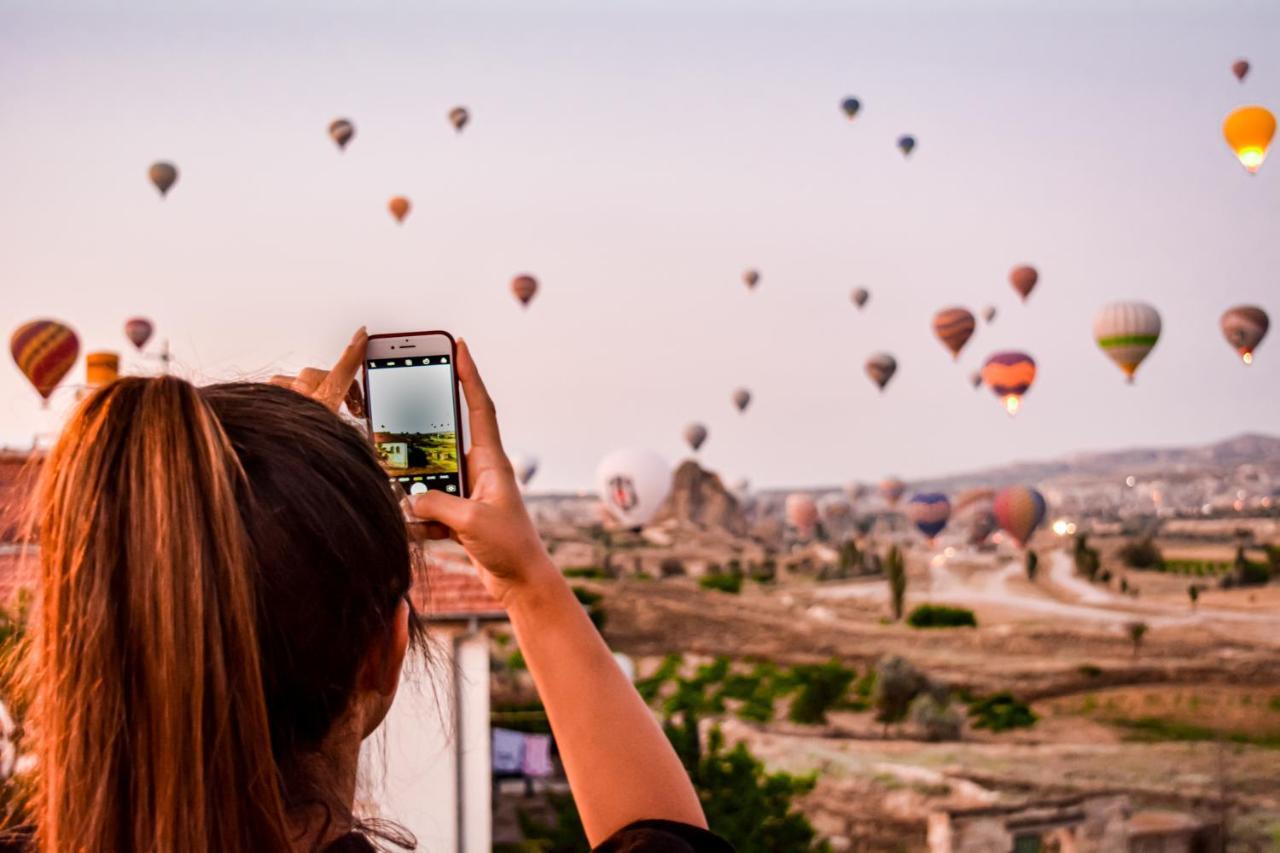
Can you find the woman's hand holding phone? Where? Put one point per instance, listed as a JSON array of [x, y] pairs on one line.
[[492, 523]]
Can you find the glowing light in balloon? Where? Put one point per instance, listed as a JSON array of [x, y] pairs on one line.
[[1249, 131]]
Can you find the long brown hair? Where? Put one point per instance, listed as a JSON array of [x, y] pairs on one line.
[[214, 564]]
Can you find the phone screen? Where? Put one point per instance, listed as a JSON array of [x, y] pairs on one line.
[[411, 412]]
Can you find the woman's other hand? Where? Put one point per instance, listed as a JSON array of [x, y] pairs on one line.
[[338, 384], [491, 523]]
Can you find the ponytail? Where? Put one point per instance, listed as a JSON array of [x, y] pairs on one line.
[[148, 706]]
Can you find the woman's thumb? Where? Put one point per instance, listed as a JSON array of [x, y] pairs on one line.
[[450, 510]]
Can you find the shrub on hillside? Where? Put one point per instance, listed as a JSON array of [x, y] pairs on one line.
[[937, 719], [897, 683], [821, 687], [1001, 712], [731, 584], [1142, 553], [941, 616]]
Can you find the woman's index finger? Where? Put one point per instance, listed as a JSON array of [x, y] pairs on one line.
[[484, 418]]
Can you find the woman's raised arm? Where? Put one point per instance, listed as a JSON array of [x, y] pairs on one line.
[[620, 765]]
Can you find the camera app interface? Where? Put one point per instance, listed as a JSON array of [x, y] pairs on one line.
[[411, 409]]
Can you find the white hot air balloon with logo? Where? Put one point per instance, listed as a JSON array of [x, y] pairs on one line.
[[633, 484]]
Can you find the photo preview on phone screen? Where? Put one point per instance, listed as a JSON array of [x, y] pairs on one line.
[[411, 409]]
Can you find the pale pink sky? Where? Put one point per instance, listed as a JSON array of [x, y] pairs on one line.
[[636, 161]]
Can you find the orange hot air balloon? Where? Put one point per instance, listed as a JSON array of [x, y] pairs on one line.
[[1009, 375], [1024, 278], [44, 351], [1249, 131], [138, 330], [399, 207], [524, 287], [101, 368]]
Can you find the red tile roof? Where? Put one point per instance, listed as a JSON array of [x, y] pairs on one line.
[[452, 590], [17, 479]]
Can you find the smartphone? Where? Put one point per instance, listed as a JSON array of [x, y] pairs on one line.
[[414, 411]]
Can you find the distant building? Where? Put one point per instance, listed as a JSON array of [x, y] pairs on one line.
[[394, 453], [429, 766], [1099, 823]]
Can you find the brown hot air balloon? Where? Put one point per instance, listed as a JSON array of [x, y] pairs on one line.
[[138, 330], [1240, 68], [1244, 327], [954, 327], [458, 117], [341, 130], [695, 434], [751, 278], [741, 399], [524, 287], [163, 175], [399, 207], [1024, 278]]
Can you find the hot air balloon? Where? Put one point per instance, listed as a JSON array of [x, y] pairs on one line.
[[101, 368], [1009, 374], [892, 489], [954, 327], [340, 131], [989, 313], [1019, 511], [881, 367], [138, 330], [633, 484], [860, 295], [751, 278], [975, 379], [850, 107], [524, 287], [972, 508], [399, 207], [1127, 332], [1244, 327], [525, 467], [163, 175], [1024, 278], [802, 513], [458, 117], [741, 399], [694, 435], [1248, 131], [44, 351], [929, 512], [906, 144], [1240, 68]]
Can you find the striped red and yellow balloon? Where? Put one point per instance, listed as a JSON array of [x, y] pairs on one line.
[[44, 350], [1019, 510]]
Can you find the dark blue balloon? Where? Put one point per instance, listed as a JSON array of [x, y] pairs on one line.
[[929, 511]]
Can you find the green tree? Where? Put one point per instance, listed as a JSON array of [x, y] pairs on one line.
[[897, 683], [822, 686], [1136, 631], [752, 809], [1193, 593], [850, 558], [1033, 565], [896, 571]]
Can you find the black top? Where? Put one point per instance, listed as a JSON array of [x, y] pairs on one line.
[[643, 836]]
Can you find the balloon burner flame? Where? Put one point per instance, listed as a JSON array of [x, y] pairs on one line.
[[1011, 403]]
